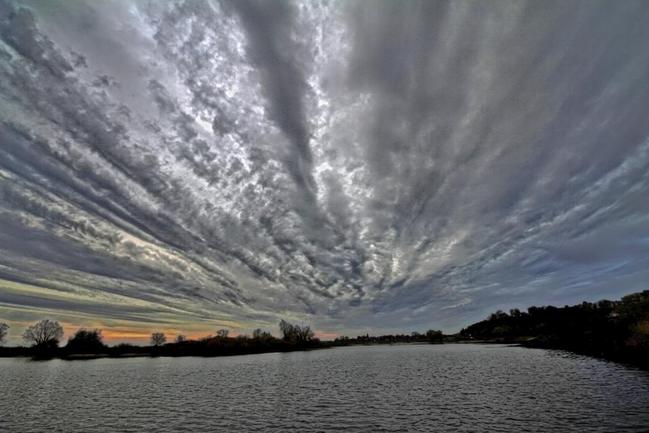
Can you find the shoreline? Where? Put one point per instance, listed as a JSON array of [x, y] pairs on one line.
[[524, 343]]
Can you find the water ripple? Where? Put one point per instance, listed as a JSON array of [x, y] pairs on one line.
[[419, 388]]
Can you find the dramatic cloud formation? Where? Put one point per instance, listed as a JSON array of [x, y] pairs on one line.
[[357, 165]]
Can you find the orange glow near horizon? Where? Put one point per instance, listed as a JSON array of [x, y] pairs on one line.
[[113, 335], [117, 335], [124, 334], [323, 335]]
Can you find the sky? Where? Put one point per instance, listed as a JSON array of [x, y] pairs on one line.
[[360, 166]]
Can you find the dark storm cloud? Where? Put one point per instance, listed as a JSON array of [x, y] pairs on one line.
[[272, 49], [348, 164]]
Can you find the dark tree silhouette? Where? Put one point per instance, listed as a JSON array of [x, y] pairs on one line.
[[46, 333], [222, 333], [86, 341], [617, 330], [3, 332], [259, 334], [286, 329], [295, 334], [434, 336], [158, 339], [431, 336], [180, 339]]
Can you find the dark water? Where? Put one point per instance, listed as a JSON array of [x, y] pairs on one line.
[[370, 389]]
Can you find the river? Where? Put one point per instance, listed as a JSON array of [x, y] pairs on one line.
[[419, 388]]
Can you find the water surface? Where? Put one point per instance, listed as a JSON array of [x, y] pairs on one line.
[[426, 388]]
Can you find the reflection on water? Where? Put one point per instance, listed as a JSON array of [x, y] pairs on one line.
[[366, 389]]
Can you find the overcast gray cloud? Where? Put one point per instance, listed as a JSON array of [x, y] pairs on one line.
[[357, 165]]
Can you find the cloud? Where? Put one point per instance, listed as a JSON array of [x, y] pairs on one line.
[[356, 165], [272, 49]]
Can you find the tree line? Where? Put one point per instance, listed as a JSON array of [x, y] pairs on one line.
[[616, 330], [431, 336], [44, 338]]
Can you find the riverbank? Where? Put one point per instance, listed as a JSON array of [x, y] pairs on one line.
[[528, 343], [613, 330], [200, 348]]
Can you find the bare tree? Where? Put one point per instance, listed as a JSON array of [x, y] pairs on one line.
[[287, 330], [3, 332], [181, 338], [158, 339], [295, 333], [222, 333], [305, 334], [44, 333]]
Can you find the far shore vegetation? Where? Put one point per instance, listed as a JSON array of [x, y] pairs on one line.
[[614, 330]]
